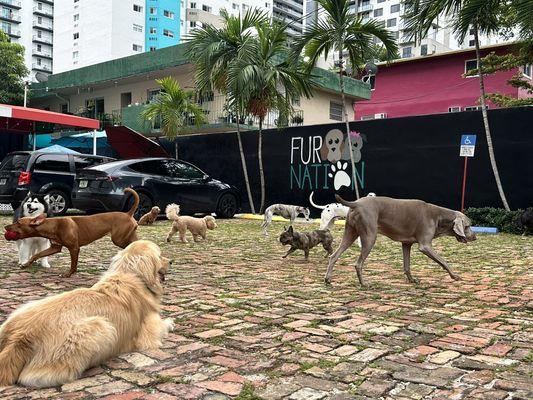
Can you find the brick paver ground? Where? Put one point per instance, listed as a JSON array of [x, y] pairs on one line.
[[253, 326]]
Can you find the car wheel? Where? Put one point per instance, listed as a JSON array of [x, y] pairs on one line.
[[58, 202], [145, 205], [227, 206]]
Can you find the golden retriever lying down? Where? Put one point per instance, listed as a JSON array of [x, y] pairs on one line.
[[52, 341], [197, 226]]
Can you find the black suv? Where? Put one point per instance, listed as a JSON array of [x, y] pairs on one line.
[[41, 172]]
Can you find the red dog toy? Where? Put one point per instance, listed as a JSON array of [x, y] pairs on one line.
[[10, 235]]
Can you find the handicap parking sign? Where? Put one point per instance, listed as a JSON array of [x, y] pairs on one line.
[[468, 145]]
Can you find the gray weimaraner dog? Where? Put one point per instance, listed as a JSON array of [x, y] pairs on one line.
[[405, 221]]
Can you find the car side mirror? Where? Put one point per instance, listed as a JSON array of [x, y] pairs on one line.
[[206, 178]]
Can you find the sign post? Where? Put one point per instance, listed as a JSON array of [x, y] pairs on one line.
[[468, 147]]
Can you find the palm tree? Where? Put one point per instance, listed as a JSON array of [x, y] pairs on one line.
[[341, 31], [483, 17], [174, 107], [267, 81], [212, 51]]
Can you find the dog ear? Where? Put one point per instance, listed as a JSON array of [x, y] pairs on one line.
[[459, 227], [38, 220], [290, 230]]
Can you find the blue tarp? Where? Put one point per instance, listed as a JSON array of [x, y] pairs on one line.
[[58, 149]]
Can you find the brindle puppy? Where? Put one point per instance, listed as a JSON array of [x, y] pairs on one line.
[[306, 241]]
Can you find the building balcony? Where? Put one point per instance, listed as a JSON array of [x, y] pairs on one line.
[[41, 67], [41, 53], [43, 39], [44, 25], [51, 2], [218, 119], [365, 8], [11, 3], [287, 10], [10, 17], [47, 12], [15, 33]]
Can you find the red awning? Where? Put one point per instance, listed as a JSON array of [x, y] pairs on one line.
[[21, 119], [131, 144]]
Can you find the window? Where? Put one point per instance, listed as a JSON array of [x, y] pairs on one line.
[[471, 43], [63, 108], [378, 12], [168, 14], [153, 48], [137, 28], [454, 109], [472, 31], [407, 52], [153, 30], [474, 108], [381, 1], [296, 101], [391, 22], [335, 111], [75, 54], [153, 10], [76, 17], [39, 34], [137, 47], [395, 8], [39, 48], [76, 35], [192, 24], [168, 33], [207, 8], [148, 167], [137, 8], [470, 65], [39, 6], [75, 1], [152, 94], [52, 162], [526, 70], [39, 61], [193, 5], [235, 6], [87, 161], [181, 170], [424, 50]]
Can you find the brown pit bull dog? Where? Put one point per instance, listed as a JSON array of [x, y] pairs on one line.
[[405, 221], [77, 231]]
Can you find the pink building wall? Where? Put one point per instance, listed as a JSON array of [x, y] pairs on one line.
[[430, 86]]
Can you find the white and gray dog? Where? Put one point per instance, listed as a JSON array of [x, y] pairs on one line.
[[32, 206], [284, 210], [332, 212]]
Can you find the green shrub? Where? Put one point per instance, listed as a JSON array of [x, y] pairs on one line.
[[505, 221]]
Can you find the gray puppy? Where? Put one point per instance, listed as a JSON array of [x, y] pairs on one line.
[[306, 241]]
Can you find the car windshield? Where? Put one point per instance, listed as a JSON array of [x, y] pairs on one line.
[[14, 162]]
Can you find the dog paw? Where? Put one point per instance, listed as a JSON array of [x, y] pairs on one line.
[[327, 281], [66, 274], [416, 281], [339, 175], [169, 323], [24, 266], [456, 277]]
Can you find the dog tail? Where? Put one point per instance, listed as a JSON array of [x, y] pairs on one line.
[[135, 201], [313, 204], [13, 357], [345, 202], [172, 211]]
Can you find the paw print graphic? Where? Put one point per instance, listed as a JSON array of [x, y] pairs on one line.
[[339, 175]]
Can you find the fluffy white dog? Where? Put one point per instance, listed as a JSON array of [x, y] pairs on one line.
[[332, 212]]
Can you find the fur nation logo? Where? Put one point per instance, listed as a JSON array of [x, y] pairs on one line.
[[324, 163]]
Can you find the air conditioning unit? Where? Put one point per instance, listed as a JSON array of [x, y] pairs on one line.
[[367, 117], [380, 115]]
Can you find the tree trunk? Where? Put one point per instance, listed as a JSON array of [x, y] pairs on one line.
[[486, 123], [244, 167], [261, 172], [345, 111]]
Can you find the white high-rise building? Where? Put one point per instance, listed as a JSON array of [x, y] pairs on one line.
[[90, 32], [31, 24], [196, 12]]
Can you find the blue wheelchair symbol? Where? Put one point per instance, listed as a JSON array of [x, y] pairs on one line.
[[468, 140]]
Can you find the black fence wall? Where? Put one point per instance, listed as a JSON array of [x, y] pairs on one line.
[[412, 157]]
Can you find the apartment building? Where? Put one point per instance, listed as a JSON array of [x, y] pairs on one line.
[[31, 24], [162, 24]]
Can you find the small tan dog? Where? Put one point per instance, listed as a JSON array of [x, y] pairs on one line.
[[51, 341], [197, 226], [150, 217]]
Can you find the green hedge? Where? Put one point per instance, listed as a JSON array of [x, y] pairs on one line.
[[505, 221]]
